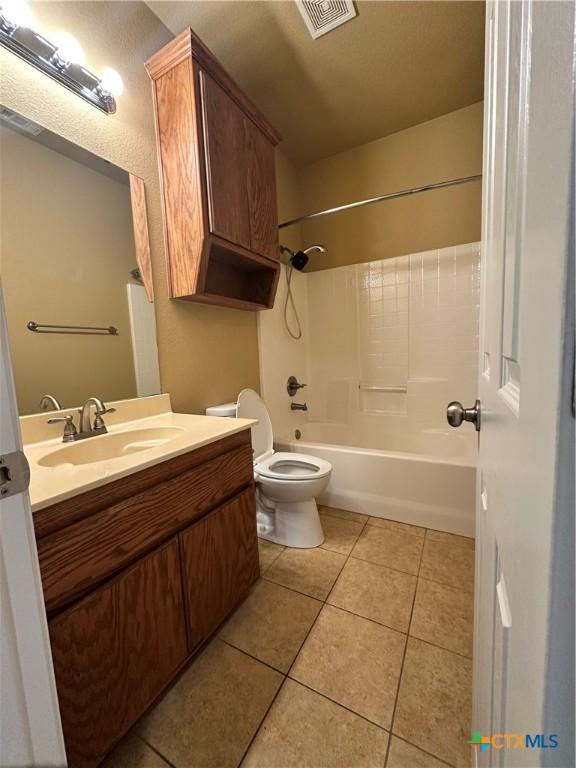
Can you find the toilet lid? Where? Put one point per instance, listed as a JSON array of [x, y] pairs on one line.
[[251, 406]]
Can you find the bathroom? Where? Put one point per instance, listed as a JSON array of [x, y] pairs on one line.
[[247, 299]]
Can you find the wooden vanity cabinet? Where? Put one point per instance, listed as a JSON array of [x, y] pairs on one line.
[[137, 575], [216, 155], [114, 652]]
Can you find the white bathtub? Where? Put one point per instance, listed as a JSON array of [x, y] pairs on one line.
[[426, 479]]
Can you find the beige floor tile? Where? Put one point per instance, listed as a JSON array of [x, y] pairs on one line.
[[343, 514], [390, 547], [448, 563], [341, 535], [132, 752], [393, 525], [443, 616], [404, 755], [271, 624], [311, 571], [268, 551], [354, 662], [435, 701], [450, 538], [210, 715], [305, 730], [376, 593]]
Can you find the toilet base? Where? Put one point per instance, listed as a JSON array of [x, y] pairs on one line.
[[291, 524]]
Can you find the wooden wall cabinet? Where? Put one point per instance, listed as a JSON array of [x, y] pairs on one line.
[[216, 156], [136, 578]]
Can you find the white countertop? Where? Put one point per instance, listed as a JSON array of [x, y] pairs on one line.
[[49, 485]]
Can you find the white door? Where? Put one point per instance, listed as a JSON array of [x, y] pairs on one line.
[[524, 633], [30, 732]]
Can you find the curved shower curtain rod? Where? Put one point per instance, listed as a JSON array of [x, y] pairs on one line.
[[380, 198]]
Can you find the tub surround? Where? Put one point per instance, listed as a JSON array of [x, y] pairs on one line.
[[52, 484], [410, 487], [386, 346]]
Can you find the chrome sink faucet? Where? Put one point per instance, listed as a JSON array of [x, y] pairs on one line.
[[87, 429], [98, 428], [50, 403]]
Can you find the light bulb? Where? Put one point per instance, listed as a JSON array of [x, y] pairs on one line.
[[112, 82], [17, 13], [68, 48]]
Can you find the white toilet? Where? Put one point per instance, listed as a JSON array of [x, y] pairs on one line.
[[287, 484]]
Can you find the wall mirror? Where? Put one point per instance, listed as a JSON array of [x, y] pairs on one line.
[[76, 275]]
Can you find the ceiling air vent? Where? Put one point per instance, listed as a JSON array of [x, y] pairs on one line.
[[17, 121], [322, 16]]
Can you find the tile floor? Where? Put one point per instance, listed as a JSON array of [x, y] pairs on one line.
[[356, 654]]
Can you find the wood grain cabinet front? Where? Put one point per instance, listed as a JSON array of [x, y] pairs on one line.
[[114, 652], [134, 588], [218, 178], [219, 564]]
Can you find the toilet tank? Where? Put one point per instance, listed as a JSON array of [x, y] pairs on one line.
[[226, 410]]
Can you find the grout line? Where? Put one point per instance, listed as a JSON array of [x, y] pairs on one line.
[[403, 659], [261, 723], [156, 751], [415, 575], [339, 704], [251, 656], [439, 759]]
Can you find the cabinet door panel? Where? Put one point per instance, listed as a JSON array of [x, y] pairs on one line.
[[115, 650], [262, 199], [220, 561], [225, 163]]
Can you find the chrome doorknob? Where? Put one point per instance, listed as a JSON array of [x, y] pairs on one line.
[[456, 414]]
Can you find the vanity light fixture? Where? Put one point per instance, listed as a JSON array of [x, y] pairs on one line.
[[62, 60]]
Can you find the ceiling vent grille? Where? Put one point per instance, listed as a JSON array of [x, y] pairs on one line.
[[322, 16], [17, 121]]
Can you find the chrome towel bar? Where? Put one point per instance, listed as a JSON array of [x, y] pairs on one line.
[[90, 330]]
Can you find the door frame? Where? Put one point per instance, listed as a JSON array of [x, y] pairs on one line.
[[30, 728]]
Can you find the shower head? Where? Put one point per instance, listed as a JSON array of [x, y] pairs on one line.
[[299, 259], [135, 274]]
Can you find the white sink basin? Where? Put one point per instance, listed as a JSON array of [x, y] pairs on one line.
[[113, 446]]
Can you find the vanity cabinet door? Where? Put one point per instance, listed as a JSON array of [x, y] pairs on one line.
[[224, 145], [115, 650], [220, 564]]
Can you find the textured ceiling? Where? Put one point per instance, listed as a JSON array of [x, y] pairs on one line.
[[397, 64]]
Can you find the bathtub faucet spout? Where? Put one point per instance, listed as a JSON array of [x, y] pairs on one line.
[[298, 407]]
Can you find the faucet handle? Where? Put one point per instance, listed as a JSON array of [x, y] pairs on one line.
[[70, 431], [99, 421]]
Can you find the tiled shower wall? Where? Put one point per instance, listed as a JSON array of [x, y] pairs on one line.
[[386, 345], [394, 339]]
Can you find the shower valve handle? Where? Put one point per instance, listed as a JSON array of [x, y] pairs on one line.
[[293, 385]]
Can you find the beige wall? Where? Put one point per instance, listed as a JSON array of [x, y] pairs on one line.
[[441, 149], [66, 253], [206, 353]]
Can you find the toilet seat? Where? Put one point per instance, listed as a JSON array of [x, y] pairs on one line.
[[287, 484], [267, 463], [292, 466]]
